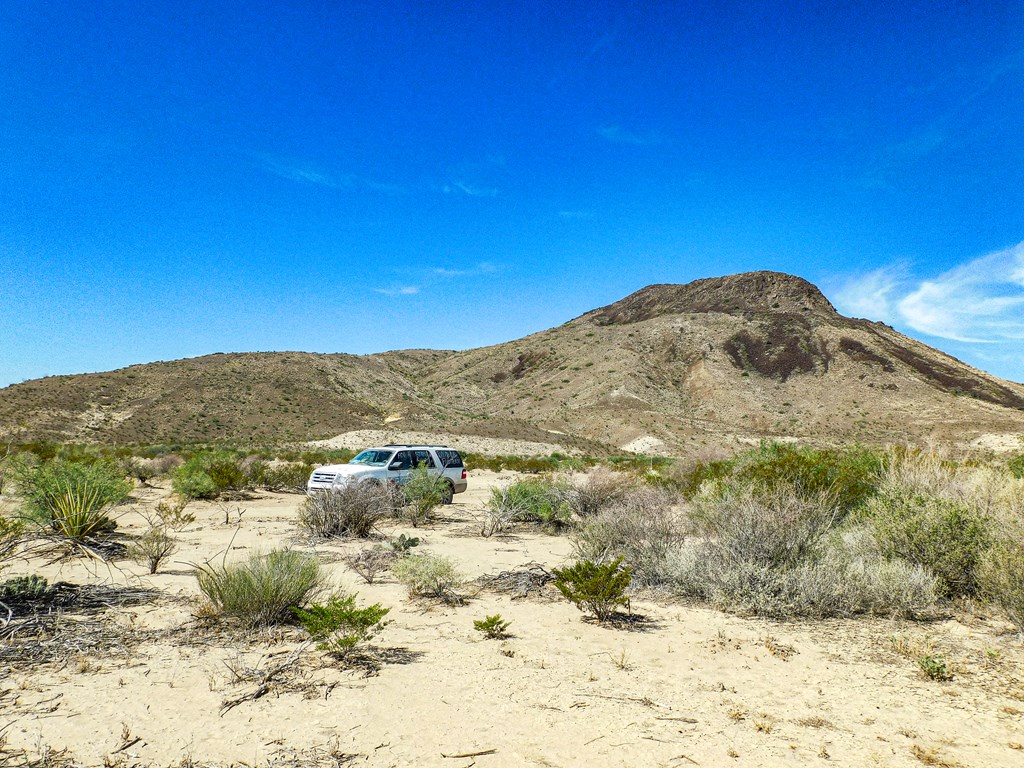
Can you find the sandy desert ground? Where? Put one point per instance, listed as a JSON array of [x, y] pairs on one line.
[[147, 684]]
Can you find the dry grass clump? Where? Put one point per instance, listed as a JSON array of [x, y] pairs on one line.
[[538, 500], [599, 489], [262, 590], [350, 510]]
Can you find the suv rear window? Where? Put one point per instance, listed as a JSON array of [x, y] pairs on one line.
[[449, 458]]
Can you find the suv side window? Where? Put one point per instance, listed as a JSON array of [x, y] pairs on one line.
[[450, 458], [403, 459], [424, 457]]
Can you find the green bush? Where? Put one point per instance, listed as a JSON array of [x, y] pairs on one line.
[[596, 587], [425, 492], [493, 627], [536, 500], [1016, 466], [287, 477], [208, 474], [262, 590], [946, 536], [850, 476], [340, 625], [24, 588], [47, 487], [430, 576], [934, 668], [1001, 574]]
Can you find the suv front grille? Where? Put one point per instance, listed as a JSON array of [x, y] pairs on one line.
[[323, 477]]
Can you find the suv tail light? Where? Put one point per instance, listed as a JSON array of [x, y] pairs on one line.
[[463, 473]]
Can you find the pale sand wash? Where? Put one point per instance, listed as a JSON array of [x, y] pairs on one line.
[[698, 687]]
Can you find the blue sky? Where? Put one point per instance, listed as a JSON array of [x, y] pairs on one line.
[[191, 177]]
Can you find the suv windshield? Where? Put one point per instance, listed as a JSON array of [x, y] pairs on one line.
[[373, 458]]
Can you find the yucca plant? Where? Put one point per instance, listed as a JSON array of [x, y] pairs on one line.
[[78, 513]]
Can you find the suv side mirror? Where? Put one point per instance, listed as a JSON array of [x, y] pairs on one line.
[[395, 465]]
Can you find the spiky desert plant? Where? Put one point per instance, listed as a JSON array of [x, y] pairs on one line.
[[262, 590]]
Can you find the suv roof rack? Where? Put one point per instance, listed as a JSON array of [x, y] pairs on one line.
[[414, 445]]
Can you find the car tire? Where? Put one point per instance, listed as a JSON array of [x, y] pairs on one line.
[[449, 492]]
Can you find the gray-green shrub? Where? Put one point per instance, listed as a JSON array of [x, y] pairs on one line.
[[643, 525], [208, 474], [262, 590], [538, 500], [430, 576], [424, 492], [946, 536]]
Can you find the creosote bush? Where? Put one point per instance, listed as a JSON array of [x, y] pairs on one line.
[[171, 513], [340, 625], [208, 474], [262, 590], [596, 587], [349, 510], [946, 536], [1001, 571], [430, 576]]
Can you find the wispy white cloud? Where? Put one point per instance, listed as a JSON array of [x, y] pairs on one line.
[[619, 135], [471, 189], [978, 302], [482, 268], [405, 290], [575, 214], [305, 173]]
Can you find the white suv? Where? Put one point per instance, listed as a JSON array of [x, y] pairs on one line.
[[393, 463]]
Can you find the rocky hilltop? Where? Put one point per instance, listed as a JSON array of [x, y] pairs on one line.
[[673, 368]]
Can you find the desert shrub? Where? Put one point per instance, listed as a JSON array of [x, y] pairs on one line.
[[1016, 466], [371, 563], [287, 477], [262, 590], [1001, 571], [535, 500], [208, 474], [430, 576], [643, 526], [401, 544], [598, 490], [153, 547], [165, 464], [943, 535], [171, 513], [850, 476], [340, 625], [24, 588], [47, 487], [934, 668], [492, 627], [141, 470], [777, 528], [349, 510], [596, 587], [424, 493]]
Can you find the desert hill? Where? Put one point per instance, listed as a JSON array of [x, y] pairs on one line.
[[670, 367]]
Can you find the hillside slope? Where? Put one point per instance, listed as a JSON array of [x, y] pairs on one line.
[[670, 367]]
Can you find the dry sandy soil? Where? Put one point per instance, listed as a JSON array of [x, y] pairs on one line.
[[686, 686]]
